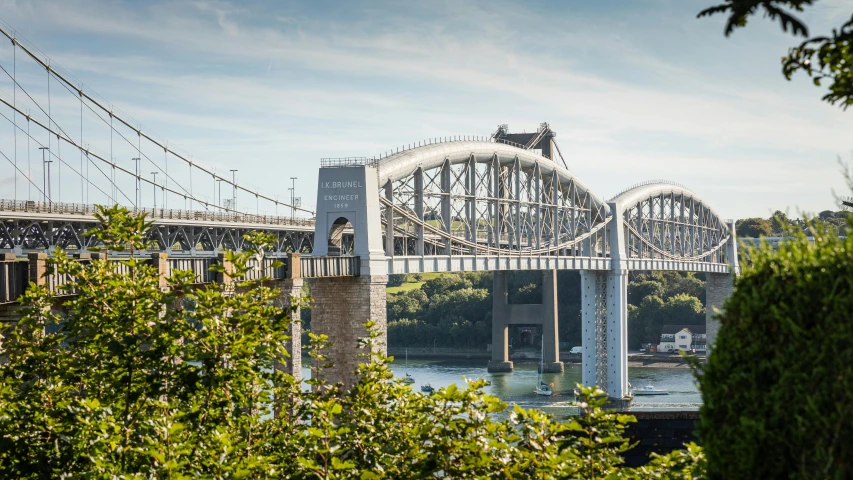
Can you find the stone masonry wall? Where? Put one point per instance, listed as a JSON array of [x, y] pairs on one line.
[[293, 364], [718, 287], [341, 306]]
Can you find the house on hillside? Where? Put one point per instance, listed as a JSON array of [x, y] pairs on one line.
[[682, 337]]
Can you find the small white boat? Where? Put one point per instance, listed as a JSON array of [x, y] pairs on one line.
[[648, 390], [408, 378], [542, 388]]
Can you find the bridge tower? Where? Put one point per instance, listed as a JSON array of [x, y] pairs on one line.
[[348, 201]]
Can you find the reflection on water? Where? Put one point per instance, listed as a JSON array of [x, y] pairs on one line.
[[517, 387]]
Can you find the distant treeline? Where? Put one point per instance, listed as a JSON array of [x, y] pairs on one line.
[[455, 309]]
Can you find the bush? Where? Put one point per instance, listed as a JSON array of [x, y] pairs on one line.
[[397, 280], [777, 390]]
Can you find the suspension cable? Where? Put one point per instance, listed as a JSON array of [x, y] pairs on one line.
[[62, 78]]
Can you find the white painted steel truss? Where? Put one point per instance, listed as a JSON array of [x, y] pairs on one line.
[[499, 203], [669, 222]]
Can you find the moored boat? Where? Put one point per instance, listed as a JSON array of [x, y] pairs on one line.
[[648, 390]]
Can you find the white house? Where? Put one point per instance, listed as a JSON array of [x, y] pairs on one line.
[[682, 337]]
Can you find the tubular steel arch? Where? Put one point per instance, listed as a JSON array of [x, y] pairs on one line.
[[484, 197], [665, 220]]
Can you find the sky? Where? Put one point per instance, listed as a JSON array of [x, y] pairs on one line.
[[635, 90]]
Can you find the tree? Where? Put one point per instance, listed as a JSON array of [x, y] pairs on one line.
[[754, 227], [639, 290], [444, 283], [403, 306], [777, 390], [135, 380], [821, 58]]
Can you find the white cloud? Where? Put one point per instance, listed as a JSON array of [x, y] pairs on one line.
[[226, 83]]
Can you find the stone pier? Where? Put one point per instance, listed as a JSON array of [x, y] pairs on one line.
[[341, 307], [291, 288], [718, 287], [505, 314]]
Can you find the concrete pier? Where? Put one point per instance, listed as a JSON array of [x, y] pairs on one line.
[[505, 314]]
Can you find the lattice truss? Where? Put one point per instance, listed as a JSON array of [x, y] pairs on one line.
[[484, 206], [33, 235], [674, 226]]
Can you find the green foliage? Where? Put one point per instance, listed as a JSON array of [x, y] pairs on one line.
[[777, 392], [640, 289], [754, 227], [130, 384], [397, 280], [821, 58], [445, 283], [125, 384]]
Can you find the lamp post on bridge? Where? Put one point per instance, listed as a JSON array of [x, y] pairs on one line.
[[45, 174], [136, 199], [219, 202], [292, 197], [154, 190], [234, 189]]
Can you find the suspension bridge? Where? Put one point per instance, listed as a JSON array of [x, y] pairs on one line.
[[498, 202]]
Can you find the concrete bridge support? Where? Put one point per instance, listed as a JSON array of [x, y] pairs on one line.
[[341, 307], [505, 314], [718, 287], [604, 327]]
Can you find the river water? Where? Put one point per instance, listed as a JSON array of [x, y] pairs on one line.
[[517, 387]]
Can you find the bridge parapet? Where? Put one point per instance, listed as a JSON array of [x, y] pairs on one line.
[[89, 210], [16, 273]]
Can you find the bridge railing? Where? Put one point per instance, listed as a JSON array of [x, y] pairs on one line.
[[199, 266], [342, 162], [56, 208], [13, 277], [316, 267]]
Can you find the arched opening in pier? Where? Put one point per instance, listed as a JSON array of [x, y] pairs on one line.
[[338, 244]]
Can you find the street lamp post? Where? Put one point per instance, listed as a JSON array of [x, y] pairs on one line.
[[219, 183], [138, 197], [154, 190], [433, 345], [292, 196], [45, 174], [234, 189]]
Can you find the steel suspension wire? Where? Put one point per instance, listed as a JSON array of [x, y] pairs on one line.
[[74, 144], [15, 101], [62, 78], [55, 155], [19, 170], [115, 189], [29, 165]]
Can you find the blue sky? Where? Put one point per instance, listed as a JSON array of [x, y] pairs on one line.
[[635, 90]]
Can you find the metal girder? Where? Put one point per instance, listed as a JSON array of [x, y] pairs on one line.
[[669, 222], [486, 198], [21, 235]]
